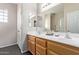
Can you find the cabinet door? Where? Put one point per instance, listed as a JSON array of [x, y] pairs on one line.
[[31, 38], [41, 42], [60, 49], [31, 44], [31, 47], [40, 49], [49, 52]]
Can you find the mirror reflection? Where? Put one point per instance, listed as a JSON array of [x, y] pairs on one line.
[[54, 20], [63, 18]]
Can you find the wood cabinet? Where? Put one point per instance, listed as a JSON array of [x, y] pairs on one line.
[[49, 52], [41, 50], [41, 42], [37, 53], [31, 44], [60, 49], [41, 46], [31, 38]]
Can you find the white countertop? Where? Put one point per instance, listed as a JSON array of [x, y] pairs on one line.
[[73, 41]]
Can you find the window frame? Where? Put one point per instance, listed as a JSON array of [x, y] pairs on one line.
[[4, 16]]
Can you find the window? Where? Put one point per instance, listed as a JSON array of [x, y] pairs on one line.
[[3, 15]]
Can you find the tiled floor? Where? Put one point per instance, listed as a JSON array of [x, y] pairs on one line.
[[12, 50]]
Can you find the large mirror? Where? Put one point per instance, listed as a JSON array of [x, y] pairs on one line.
[[63, 18], [57, 21], [54, 19]]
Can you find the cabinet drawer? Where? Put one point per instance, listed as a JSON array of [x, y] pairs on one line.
[[31, 38], [41, 42], [60, 49], [41, 49], [31, 47], [37, 53], [49, 52]]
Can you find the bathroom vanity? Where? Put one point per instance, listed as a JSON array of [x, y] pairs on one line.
[[50, 45], [61, 18]]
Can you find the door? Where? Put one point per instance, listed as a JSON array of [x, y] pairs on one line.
[[19, 25]]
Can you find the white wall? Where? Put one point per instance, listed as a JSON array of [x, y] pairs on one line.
[[8, 30]]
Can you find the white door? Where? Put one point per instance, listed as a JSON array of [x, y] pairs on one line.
[[19, 25]]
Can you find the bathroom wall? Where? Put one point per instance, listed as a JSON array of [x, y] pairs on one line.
[[8, 30]]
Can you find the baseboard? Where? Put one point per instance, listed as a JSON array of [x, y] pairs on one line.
[[8, 45]]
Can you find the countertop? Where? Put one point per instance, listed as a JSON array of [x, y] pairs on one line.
[[73, 41]]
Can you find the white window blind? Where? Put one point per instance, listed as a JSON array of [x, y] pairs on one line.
[[3, 15]]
